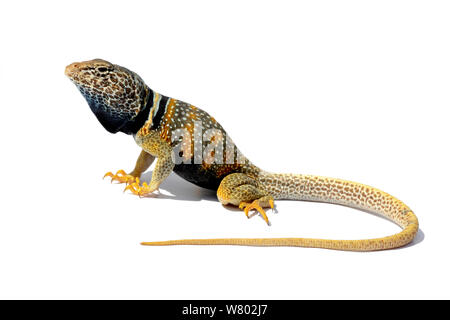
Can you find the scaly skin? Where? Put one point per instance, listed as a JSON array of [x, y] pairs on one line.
[[191, 143]]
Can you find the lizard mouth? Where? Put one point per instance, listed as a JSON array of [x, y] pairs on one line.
[[71, 69]]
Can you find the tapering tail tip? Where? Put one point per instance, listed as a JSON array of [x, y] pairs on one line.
[[390, 242], [185, 242], [159, 243]]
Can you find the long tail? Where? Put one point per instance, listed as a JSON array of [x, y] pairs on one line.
[[330, 190]]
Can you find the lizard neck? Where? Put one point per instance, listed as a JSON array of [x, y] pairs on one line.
[[138, 122], [157, 109]]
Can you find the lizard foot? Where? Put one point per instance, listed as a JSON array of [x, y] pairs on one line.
[[258, 205], [140, 190], [120, 176]]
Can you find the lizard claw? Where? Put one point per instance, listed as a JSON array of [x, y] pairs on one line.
[[258, 206], [120, 176], [139, 190]]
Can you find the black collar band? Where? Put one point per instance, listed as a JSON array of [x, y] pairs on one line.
[[161, 111]]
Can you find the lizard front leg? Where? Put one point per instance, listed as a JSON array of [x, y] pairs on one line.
[[163, 168], [143, 162], [153, 144]]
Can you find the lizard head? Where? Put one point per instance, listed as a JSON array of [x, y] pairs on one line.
[[115, 94]]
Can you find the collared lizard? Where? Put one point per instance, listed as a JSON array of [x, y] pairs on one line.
[[188, 141]]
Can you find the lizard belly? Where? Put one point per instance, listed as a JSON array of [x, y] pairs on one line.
[[196, 174], [208, 177]]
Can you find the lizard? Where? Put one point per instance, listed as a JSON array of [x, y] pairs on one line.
[[189, 142]]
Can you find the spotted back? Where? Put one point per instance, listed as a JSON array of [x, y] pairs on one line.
[[203, 153]]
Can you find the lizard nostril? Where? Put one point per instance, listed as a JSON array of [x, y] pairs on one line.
[[71, 68]]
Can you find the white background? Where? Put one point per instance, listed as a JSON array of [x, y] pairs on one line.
[[351, 89]]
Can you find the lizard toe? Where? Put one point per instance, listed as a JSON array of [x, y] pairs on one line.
[[121, 176]]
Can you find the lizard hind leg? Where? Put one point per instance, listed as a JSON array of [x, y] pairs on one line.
[[243, 191]]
